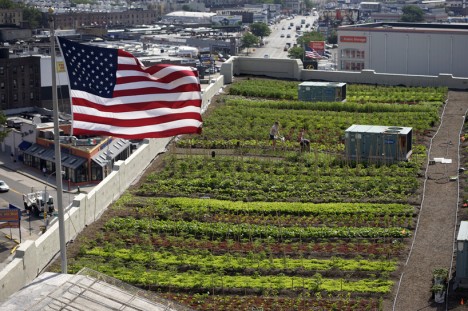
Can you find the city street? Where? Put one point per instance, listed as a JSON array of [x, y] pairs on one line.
[[276, 41], [21, 180]]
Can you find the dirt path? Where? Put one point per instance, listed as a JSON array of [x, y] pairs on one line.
[[434, 238]]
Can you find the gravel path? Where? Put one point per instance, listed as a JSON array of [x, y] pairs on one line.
[[434, 239]]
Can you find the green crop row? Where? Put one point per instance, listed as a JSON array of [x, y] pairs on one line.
[[265, 180], [138, 274], [348, 106], [226, 230], [202, 206], [229, 262]]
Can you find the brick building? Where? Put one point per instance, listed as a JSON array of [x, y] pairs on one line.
[[20, 81]]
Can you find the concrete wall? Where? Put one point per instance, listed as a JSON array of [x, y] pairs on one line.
[[270, 67], [293, 69], [32, 257]]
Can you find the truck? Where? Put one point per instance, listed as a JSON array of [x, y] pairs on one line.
[[34, 202]]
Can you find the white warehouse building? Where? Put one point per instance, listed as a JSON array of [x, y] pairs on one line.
[[404, 48]]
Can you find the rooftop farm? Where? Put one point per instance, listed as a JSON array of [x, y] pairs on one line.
[[226, 222]]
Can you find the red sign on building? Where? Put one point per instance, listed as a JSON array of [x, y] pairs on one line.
[[319, 46], [353, 39]]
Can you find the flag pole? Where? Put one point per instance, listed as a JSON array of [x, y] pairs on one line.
[[58, 160]]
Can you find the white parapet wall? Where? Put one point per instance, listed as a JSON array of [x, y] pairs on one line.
[[33, 256], [293, 69]]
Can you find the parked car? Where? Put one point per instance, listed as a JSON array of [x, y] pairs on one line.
[[288, 36], [282, 35], [3, 186]]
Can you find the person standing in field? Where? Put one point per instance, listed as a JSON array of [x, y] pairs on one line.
[[274, 133], [305, 143]]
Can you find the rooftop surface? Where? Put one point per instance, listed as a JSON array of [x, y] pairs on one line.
[[98, 292]]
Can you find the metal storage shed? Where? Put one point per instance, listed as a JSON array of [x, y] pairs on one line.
[[379, 143], [322, 91]]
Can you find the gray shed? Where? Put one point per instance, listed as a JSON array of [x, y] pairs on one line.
[[378, 143], [322, 91]]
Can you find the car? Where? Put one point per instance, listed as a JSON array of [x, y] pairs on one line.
[[266, 56], [283, 28], [285, 48], [288, 36], [3, 186], [282, 35], [289, 27]]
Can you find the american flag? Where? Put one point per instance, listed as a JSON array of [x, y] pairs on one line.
[[310, 52], [113, 94]]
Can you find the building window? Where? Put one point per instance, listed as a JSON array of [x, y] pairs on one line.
[[15, 97], [352, 53], [22, 68], [14, 69], [352, 65], [31, 95], [2, 98], [14, 83], [2, 85], [2, 70]]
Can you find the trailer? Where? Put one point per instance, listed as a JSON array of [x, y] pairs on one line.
[[34, 202]]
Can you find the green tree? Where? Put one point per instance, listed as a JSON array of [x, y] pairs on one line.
[[248, 40], [310, 36], [296, 52], [333, 37], [7, 4], [412, 14], [260, 29], [33, 16], [3, 128]]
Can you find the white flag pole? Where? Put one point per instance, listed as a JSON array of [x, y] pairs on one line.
[[58, 160]]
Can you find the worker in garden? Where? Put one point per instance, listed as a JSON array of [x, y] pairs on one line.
[[305, 143], [274, 133]]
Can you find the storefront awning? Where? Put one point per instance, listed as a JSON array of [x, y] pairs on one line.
[[47, 154], [24, 145], [110, 152]]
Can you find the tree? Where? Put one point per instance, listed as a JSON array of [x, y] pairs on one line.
[[333, 38], [3, 128], [7, 4], [310, 36], [412, 14], [33, 16], [260, 29], [248, 40], [296, 52]]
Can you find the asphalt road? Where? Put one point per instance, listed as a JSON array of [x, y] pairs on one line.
[[30, 225], [274, 47]]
